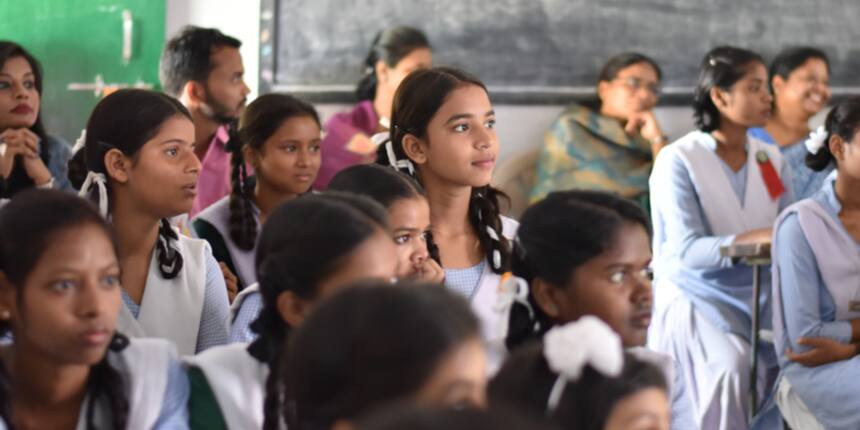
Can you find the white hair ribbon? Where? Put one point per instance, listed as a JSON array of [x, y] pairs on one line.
[[394, 162], [79, 144], [100, 181], [816, 140], [512, 289], [587, 341]]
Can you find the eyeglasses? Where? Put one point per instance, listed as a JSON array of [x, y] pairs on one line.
[[636, 84]]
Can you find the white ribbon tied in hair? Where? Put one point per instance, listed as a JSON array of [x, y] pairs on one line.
[[587, 341], [497, 256], [394, 162], [513, 289], [99, 181], [816, 140], [79, 144]]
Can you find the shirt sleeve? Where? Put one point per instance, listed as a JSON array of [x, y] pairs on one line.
[[174, 409], [248, 312], [689, 230], [805, 299], [214, 320]]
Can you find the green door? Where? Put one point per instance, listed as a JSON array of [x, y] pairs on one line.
[[87, 48]]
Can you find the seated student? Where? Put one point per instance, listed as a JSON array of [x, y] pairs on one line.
[[408, 216], [141, 170], [598, 265], [202, 67], [395, 53], [28, 155], [815, 261], [280, 138], [309, 248], [580, 378], [68, 366], [610, 148], [799, 78], [427, 418], [443, 134], [712, 188], [376, 346]]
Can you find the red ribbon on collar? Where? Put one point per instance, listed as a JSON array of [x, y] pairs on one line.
[[772, 181]]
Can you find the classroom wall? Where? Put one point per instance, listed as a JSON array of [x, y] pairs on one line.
[[520, 127]]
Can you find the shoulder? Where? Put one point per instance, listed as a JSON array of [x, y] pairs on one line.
[[215, 211]]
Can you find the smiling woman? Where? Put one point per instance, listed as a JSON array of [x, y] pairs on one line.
[[28, 156]]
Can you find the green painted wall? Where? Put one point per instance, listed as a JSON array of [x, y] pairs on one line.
[[77, 39]]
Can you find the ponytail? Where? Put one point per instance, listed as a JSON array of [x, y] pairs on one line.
[[243, 225]]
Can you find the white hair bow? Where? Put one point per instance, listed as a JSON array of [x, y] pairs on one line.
[[394, 162], [816, 140], [587, 341], [100, 181], [512, 290]]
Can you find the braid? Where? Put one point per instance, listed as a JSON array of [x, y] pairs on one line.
[[484, 215], [169, 258], [273, 334], [524, 324], [106, 382], [243, 227]]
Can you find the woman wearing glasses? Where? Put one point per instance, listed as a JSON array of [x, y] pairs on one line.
[[610, 147]]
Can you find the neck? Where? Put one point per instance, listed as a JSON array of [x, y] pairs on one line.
[[792, 123], [136, 229], [267, 198], [730, 137], [449, 206], [41, 384], [204, 130], [846, 192]]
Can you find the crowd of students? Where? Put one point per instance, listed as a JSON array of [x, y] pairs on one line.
[[225, 266]]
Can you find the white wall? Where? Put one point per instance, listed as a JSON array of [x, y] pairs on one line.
[[240, 19]]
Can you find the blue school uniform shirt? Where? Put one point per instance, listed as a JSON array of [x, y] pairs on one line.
[[804, 181], [809, 311], [717, 286]]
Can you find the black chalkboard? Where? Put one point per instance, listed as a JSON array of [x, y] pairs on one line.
[[547, 51]]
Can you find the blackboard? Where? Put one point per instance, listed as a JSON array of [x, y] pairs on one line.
[[547, 51]]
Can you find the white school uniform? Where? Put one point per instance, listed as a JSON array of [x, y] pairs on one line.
[[238, 381], [484, 303], [144, 363], [172, 308], [702, 304]]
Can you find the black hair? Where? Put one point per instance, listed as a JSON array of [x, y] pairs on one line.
[[389, 46], [418, 98], [187, 57], [303, 242], [721, 68], [525, 381], [125, 120], [28, 225], [260, 120], [18, 178], [369, 346], [556, 236], [417, 418], [843, 121], [624, 60], [789, 59], [385, 185]]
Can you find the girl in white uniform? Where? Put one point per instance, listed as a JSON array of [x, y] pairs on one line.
[[309, 248], [279, 136], [67, 366], [443, 133], [713, 188], [139, 166]]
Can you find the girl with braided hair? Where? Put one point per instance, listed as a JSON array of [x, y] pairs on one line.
[[309, 248], [140, 167], [68, 365], [443, 134], [279, 136]]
